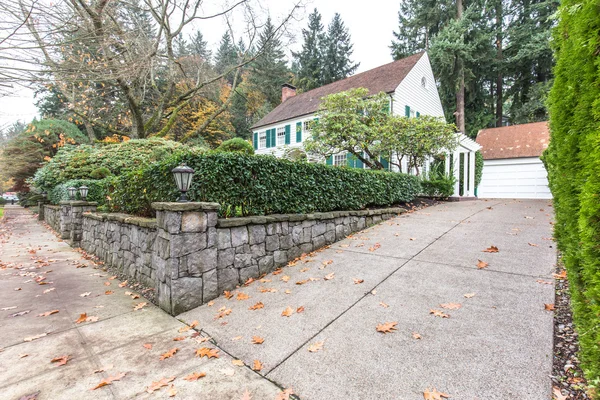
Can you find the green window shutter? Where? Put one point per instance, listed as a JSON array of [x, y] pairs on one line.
[[407, 111], [329, 160], [384, 162], [273, 137], [255, 140], [350, 160], [298, 132], [358, 163], [287, 134], [418, 114], [268, 138]]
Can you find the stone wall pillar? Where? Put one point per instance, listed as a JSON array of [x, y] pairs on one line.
[[185, 255], [41, 209], [71, 220]]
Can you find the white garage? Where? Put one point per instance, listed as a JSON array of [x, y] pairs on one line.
[[512, 167]]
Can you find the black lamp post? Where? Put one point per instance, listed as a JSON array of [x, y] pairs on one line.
[[72, 191], [83, 192], [183, 178], [44, 195]]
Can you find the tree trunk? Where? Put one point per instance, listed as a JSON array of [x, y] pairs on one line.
[[460, 93], [90, 131], [499, 77]]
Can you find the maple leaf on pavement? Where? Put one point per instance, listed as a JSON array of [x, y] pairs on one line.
[[194, 376], [109, 380], [329, 276], [246, 395], [82, 318], [47, 313], [139, 306], [207, 352], [469, 295], [549, 307], [238, 363], [415, 335], [433, 394], [287, 312], [491, 249], [562, 275], [285, 395], [316, 347], [228, 294], [387, 327], [257, 306], [257, 340], [169, 354], [172, 391], [438, 313], [61, 360], [242, 296], [358, 281], [257, 365], [482, 264], [159, 384]]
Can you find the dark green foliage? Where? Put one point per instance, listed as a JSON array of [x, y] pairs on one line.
[[236, 145], [226, 57], [438, 185], [337, 48], [478, 167], [2, 201], [199, 47], [100, 173], [573, 163], [259, 185], [269, 71], [118, 158], [309, 60]]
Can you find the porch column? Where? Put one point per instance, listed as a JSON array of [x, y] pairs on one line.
[[472, 173], [456, 173]]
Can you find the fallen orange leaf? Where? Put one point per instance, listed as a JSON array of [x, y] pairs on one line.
[[169, 354], [159, 384], [387, 327], [257, 340], [438, 313], [451, 306], [433, 394], [491, 249], [207, 352], [415, 335], [287, 312], [109, 380], [316, 347], [194, 376], [61, 360], [257, 306], [300, 309], [257, 365], [228, 294], [482, 264], [358, 281], [549, 307], [47, 313], [242, 296]]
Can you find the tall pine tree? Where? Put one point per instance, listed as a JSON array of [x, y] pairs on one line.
[[199, 47], [226, 57], [309, 60], [337, 52], [269, 71]]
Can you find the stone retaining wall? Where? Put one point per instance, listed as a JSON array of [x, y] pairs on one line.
[[123, 242], [190, 256], [52, 216]]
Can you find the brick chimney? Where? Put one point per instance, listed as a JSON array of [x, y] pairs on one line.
[[287, 91]]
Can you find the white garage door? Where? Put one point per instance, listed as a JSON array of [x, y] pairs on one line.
[[520, 178]]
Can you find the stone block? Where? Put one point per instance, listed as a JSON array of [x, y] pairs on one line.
[[258, 250], [243, 249], [201, 261], [211, 219], [273, 229], [257, 234], [297, 234], [187, 243], [164, 297], [318, 228], [266, 264], [239, 236], [228, 279], [286, 242], [242, 260], [210, 285], [272, 243], [319, 241], [249, 272], [307, 248], [329, 237], [280, 257], [186, 293], [211, 237], [225, 258], [163, 248], [223, 238], [193, 221]]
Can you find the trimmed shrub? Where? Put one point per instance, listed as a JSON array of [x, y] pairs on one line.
[[438, 185], [100, 173], [260, 185], [573, 164], [236, 145], [118, 158]]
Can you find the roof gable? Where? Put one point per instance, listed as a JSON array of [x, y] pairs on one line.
[[514, 141], [385, 78]]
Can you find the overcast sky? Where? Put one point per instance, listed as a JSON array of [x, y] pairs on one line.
[[370, 25]]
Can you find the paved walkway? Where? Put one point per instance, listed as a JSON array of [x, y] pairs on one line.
[[495, 344]]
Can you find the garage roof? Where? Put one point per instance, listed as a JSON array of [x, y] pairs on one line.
[[514, 141]]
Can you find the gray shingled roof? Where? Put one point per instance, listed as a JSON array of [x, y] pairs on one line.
[[381, 79]]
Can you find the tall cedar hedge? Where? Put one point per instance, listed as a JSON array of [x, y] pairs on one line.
[[259, 185], [573, 163]]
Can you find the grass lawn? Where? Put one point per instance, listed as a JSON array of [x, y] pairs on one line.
[[1, 212]]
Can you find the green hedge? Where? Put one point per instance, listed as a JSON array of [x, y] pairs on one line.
[[260, 185], [573, 163], [99, 190]]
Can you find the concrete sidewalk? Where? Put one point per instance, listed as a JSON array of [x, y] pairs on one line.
[[40, 274], [495, 344]]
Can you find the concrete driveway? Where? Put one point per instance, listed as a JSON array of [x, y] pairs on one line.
[[491, 338]]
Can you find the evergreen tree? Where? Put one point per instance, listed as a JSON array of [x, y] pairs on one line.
[[180, 47], [199, 47], [309, 61], [226, 57], [269, 71], [338, 49]]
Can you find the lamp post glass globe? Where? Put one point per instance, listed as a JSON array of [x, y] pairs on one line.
[[72, 192], [44, 195], [183, 179], [83, 191]]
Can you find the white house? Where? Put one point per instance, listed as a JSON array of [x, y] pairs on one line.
[[512, 167], [408, 82]]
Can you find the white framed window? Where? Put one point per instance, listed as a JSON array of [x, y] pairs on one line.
[[306, 126], [339, 160], [262, 139], [281, 136], [413, 113], [367, 158]]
